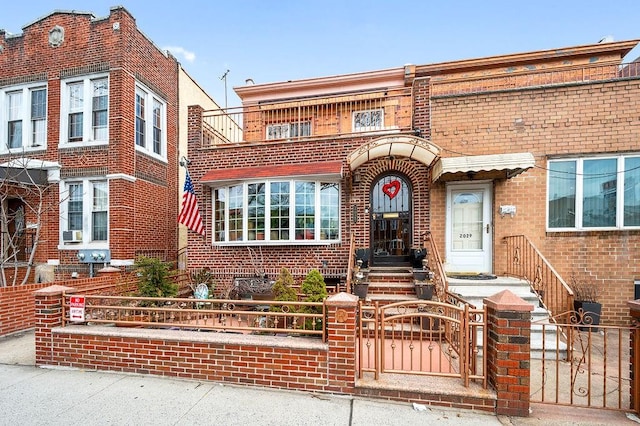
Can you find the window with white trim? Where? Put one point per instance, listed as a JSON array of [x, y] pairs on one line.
[[150, 125], [282, 211], [85, 209], [84, 115], [23, 118], [369, 120], [594, 193], [288, 130]]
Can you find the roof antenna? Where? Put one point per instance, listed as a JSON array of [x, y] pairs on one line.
[[224, 77]]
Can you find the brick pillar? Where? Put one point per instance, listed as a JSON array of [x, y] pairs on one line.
[[341, 337], [634, 356], [48, 312], [508, 352]]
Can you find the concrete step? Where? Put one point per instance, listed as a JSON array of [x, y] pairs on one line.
[[475, 291]]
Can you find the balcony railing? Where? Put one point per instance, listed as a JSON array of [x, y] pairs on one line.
[[310, 117], [536, 78]]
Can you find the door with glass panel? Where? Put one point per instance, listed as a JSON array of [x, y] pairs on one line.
[[469, 229], [390, 221]]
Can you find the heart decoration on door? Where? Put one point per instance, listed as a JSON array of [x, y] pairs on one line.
[[391, 189]]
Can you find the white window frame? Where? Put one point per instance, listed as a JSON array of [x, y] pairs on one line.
[[24, 115], [87, 111], [150, 101], [87, 213], [579, 193], [356, 128], [317, 236]]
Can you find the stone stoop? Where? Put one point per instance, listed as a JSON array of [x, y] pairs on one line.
[[390, 285], [474, 291]]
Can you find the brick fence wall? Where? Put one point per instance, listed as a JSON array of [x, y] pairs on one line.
[[287, 363], [16, 302]]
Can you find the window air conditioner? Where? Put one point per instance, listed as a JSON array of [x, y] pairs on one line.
[[72, 236]]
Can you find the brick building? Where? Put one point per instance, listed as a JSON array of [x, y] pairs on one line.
[[93, 103], [542, 144]]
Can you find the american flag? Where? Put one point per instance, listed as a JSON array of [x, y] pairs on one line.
[[190, 215]]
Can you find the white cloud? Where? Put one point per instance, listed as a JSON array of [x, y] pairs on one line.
[[178, 51]]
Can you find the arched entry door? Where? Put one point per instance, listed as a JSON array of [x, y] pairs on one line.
[[390, 220]]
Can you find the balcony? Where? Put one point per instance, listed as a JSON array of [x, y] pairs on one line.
[[298, 119]]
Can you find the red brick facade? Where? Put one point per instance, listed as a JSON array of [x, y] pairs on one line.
[[552, 105], [143, 190], [572, 120]]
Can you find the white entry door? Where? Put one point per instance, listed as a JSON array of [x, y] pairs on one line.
[[469, 229]]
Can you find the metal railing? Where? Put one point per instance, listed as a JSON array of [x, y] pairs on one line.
[[423, 338], [435, 264], [224, 315], [525, 261], [352, 256], [311, 117], [586, 365], [536, 78]]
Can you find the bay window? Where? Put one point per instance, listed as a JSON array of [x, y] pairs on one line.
[[277, 211], [594, 193]]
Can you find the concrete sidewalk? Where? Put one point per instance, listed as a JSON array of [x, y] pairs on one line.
[[42, 396]]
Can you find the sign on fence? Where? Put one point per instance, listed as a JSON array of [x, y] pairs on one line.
[[76, 308]]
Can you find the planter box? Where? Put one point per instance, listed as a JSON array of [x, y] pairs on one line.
[[361, 290], [427, 323], [424, 291], [591, 312]]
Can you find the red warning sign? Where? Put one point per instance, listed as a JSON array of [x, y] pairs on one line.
[[76, 308]]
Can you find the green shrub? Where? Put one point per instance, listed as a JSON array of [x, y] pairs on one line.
[[315, 290], [282, 289], [155, 278]]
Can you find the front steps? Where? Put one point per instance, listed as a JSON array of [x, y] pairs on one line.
[[474, 291], [395, 284]]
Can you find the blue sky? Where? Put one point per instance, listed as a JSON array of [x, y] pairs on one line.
[[280, 40]]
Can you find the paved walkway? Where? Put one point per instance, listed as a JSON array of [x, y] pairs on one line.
[[43, 396]]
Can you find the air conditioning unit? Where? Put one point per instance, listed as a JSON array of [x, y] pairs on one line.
[[72, 236]]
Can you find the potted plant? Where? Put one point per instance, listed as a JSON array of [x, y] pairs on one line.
[[360, 283], [585, 303], [423, 281]]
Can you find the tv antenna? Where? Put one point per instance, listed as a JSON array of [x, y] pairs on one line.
[[224, 77]]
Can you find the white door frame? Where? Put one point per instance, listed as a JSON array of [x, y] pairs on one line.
[[477, 260]]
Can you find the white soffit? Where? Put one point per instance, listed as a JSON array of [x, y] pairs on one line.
[[512, 164]]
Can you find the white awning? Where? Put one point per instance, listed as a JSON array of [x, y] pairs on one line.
[[404, 146], [493, 166]]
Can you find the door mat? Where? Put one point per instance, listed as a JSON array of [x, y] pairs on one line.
[[472, 276]]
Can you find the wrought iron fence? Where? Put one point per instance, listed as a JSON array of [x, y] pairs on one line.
[[225, 315], [423, 338], [585, 365]]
